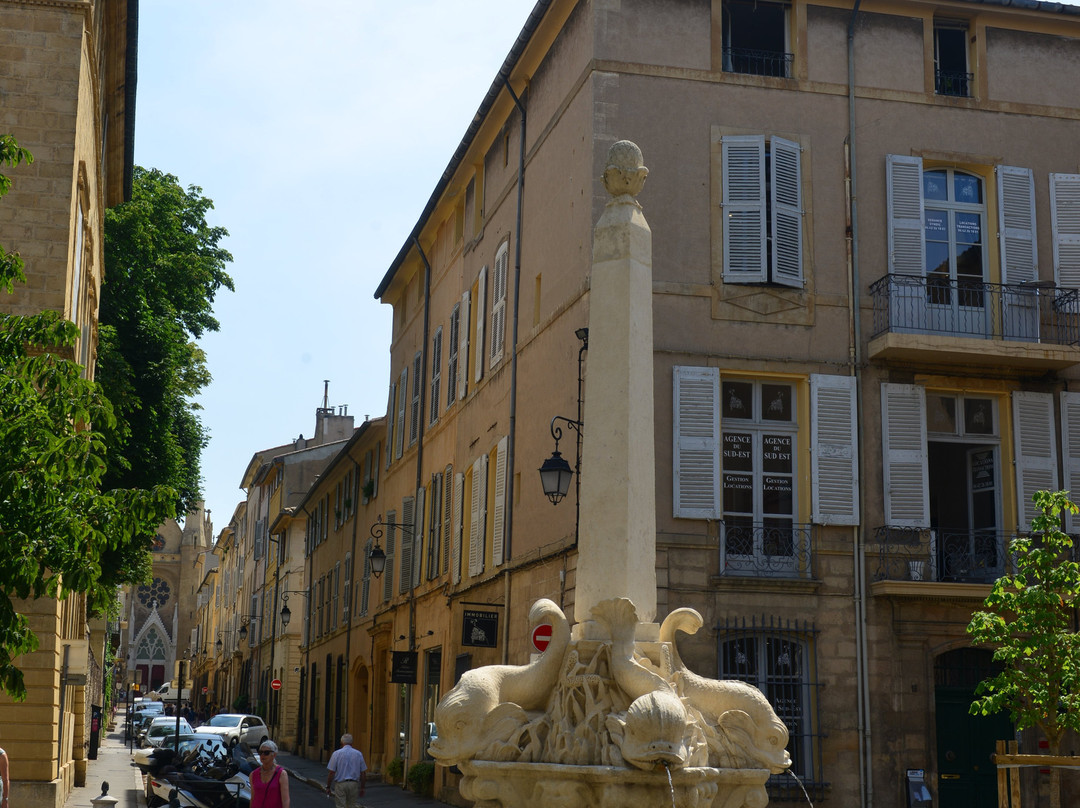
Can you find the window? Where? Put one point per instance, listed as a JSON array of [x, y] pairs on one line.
[[480, 295], [498, 522], [435, 526], [498, 302], [762, 210], [779, 660], [452, 356], [391, 545], [951, 76], [414, 413], [399, 427], [447, 516], [408, 558], [1065, 218], [478, 515], [756, 38], [365, 585], [347, 602], [390, 429], [436, 374]]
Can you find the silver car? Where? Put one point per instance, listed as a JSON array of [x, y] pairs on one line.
[[235, 728]]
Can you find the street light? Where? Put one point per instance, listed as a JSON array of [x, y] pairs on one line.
[[555, 473], [286, 612], [245, 621], [376, 555]]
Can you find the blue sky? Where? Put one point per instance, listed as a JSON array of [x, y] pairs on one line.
[[319, 130]]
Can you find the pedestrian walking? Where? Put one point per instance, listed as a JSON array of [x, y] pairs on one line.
[[5, 781], [269, 782], [346, 774]]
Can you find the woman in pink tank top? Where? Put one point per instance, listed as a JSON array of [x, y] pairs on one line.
[[269, 782]]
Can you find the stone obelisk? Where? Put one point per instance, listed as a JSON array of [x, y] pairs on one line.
[[617, 546]]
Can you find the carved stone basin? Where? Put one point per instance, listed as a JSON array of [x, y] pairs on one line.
[[493, 784]]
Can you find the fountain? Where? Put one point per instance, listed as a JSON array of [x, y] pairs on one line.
[[609, 715]]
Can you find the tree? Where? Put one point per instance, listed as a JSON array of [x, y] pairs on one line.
[[1030, 622], [60, 532], [163, 268]]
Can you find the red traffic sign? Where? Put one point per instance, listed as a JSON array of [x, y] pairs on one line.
[[276, 684], [541, 636]]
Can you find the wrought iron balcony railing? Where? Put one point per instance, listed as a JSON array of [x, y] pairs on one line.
[[767, 551], [758, 62], [951, 83], [914, 304], [941, 554]]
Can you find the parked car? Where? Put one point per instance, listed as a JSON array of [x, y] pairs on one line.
[[237, 727], [162, 728]]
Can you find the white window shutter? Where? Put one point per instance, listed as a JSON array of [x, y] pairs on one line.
[[453, 346], [408, 525], [498, 521], [463, 349], [1065, 222], [478, 347], [391, 546], [903, 448], [787, 212], [1036, 453], [447, 516], [455, 545], [1070, 451], [419, 524], [498, 303], [436, 374], [478, 515], [743, 208], [1016, 220], [907, 244], [414, 410], [365, 587], [834, 457], [390, 425], [696, 443], [399, 427]]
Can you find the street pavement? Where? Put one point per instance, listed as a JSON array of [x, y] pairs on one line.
[[307, 780]]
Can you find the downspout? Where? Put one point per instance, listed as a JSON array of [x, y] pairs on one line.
[[511, 438], [423, 377], [858, 547]]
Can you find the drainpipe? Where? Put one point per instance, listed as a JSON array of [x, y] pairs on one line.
[[858, 548], [422, 378]]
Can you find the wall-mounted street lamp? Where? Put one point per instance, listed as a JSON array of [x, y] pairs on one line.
[[219, 645], [245, 621], [555, 473], [376, 556], [286, 612]]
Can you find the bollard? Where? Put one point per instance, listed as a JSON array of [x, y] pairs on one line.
[[104, 800]]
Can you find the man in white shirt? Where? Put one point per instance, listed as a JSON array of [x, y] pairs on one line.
[[346, 774]]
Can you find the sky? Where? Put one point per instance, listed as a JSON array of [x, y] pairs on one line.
[[319, 129]]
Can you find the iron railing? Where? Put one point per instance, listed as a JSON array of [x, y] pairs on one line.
[[915, 304], [766, 551], [977, 556], [758, 62], [953, 83]]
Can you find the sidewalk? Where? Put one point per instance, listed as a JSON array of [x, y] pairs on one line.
[[376, 795]]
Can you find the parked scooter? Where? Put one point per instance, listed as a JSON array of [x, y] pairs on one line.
[[222, 782]]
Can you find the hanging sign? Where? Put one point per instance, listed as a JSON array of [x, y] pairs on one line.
[[403, 668], [480, 629]]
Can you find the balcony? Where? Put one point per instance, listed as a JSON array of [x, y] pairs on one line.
[[941, 555], [766, 551], [952, 83], [975, 323], [758, 62]]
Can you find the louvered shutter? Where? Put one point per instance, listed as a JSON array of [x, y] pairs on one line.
[[399, 428], [743, 208], [1065, 222], [434, 531], [436, 375], [903, 440], [907, 246], [787, 212], [1016, 218], [1070, 450], [1036, 453], [478, 347], [365, 585], [408, 525], [391, 546], [478, 515], [463, 349], [414, 410], [390, 425], [419, 525], [834, 458], [696, 443], [498, 303], [498, 521], [455, 545], [447, 518], [454, 340]]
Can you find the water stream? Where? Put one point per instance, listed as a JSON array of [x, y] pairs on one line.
[[797, 780], [671, 785]]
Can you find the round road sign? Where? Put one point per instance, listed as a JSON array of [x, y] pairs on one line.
[[276, 684], [541, 636]]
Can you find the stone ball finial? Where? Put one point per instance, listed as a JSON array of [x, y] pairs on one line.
[[625, 172]]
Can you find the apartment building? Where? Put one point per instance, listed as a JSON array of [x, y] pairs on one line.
[[865, 320], [67, 84]]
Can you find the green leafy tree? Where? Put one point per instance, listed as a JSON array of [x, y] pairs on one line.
[[60, 532], [163, 268], [1030, 622]]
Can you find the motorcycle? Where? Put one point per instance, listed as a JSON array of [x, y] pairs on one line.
[[206, 777]]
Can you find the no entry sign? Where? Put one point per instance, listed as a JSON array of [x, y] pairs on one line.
[[541, 636], [276, 684]]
